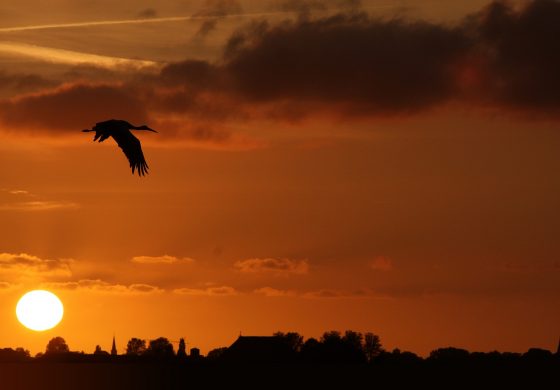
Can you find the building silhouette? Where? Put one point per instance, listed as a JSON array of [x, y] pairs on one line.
[[558, 348], [114, 347], [195, 353], [259, 349]]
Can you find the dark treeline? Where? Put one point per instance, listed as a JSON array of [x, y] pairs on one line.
[[348, 360], [333, 347]]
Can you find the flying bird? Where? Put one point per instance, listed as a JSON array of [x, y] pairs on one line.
[[130, 145]]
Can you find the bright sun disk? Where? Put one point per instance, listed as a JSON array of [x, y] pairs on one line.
[[39, 310]]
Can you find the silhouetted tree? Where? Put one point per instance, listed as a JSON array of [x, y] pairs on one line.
[[23, 352], [353, 339], [182, 351], [135, 346], [397, 358], [536, 354], [353, 348], [311, 350], [372, 346], [331, 337], [17, 355], [160, 348], [57, 345], [347, 349], [293, 339], [449, 355]]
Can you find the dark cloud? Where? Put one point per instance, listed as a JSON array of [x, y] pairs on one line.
[[213, 11], [11, 84], [345, 65], [354, 65], [372, 65], [71, 107], [521, 53]]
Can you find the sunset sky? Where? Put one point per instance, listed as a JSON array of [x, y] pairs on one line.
[[386, 165]]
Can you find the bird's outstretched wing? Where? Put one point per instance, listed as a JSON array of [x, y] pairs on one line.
[[132, 149]]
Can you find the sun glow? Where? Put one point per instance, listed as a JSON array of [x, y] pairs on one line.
[[39, 310]]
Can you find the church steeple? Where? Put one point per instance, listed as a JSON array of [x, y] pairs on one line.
[[114, 347]]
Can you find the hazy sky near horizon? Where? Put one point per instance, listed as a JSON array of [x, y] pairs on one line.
[[386, 166]]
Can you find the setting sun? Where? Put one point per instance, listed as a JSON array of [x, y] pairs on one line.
[[39, 310]]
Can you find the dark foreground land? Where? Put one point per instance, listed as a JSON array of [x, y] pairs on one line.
[[172, 375]]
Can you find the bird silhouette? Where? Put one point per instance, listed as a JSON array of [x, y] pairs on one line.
[[130, 145]]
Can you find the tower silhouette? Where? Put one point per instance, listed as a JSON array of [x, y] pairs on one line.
[[114, 347]]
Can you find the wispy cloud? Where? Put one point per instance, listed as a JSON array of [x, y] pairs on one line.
[[165, 259], [214, 291], [20, 266], [38, 206], [19, 200], [6, 286], [273, 265], [100, 286], [273, 292], [335, 293], [19, 192], [326, 293]]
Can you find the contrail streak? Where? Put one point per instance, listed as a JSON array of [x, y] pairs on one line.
[[69, 57], [161, 20], [128, 21]]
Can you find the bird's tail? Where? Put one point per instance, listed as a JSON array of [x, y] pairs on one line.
[[87, 130]]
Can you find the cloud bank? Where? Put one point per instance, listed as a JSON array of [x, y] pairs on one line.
[[346, 65]]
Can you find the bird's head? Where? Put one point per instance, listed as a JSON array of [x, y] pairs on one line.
[[144, 127]]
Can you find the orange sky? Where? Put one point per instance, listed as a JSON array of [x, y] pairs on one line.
[[401, 179]]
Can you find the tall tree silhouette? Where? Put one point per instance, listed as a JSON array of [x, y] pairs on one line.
[[342, 349], [160, 348], [372, 346], [311, 350], [182, 350], [293, 339], [57, 345], [135, 346]]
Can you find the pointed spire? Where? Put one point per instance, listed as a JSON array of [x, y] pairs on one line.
[[114, 347]]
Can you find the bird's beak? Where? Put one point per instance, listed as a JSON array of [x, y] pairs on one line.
[[152, 130], [86, 130]]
